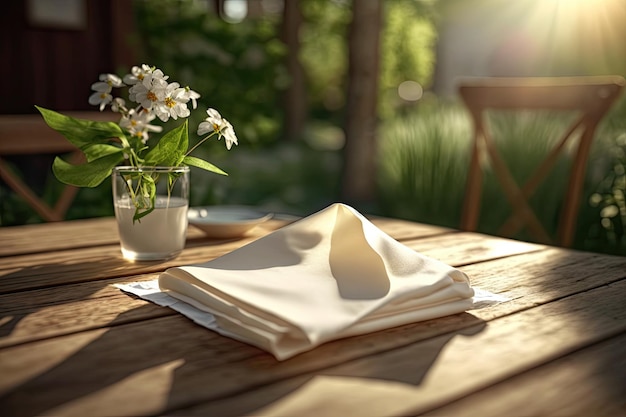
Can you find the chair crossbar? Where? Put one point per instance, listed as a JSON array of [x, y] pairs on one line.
[[592, 97]]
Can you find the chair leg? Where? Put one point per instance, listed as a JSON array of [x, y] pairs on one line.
[[65, 201], [69, 192], [471, 203], [513, 224], [567, 226], [23, 191], [515, 195]]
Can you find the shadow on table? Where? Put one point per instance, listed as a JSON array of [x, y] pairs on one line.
[[391, 374], [169, 364], [28, 290]]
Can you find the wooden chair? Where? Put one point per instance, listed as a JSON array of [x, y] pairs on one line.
[[28, 134], [589, 97]]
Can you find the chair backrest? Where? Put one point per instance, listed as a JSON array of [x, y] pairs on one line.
[[589, 97], [28, 134]]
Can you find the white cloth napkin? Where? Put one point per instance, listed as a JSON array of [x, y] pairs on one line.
[[330, 275]]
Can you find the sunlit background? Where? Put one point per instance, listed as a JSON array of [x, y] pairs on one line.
[[234, 53], [531, 38]]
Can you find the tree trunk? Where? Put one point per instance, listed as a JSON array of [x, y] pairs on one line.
[[359, 170], [295, 104]]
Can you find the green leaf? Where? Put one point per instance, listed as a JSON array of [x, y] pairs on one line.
[[201, 163], [147, 188], [99, 150], [90, 174], [171, 149], [81, 133]]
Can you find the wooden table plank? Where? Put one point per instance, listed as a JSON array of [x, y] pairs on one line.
[[594, 379], [48, 237], [45, 237], [445, 368], [541, 277], [90, 264], [62, 263], [519, 278], [463, 248], [40, 270], [404, 230], [43, 314], [72, 344], [59, 267], [441, 367], [77, 234]]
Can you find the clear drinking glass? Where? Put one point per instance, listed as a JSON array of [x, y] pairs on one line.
[[161, 233]]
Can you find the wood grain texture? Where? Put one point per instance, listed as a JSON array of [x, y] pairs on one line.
[[48, 237], [74, 234], [467, 248], [439, 358], [72, 344], [451, 366], [100, 257], [519, 279], [33, 309], [594, 377]]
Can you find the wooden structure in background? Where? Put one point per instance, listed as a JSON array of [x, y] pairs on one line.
[[358, 183], [28, 134], [53, 65], [591, 97], [51, 59]]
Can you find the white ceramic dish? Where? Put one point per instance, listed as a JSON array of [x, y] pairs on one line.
[[226, 221]]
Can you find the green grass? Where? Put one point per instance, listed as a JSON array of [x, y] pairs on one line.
[[289, 178], [423, 166], [423, 161], [524, 140]]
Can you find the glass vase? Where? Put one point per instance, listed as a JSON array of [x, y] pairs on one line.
[[151, 206]]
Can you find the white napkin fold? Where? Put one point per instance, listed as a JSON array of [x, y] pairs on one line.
[[330, 275]]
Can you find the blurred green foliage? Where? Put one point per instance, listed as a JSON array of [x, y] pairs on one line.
[[407, 48], [606, 211], [424, 163], [236, 68], [324, 56], [407, 51]]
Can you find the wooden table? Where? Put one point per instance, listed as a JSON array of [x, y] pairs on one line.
[[72, 344]]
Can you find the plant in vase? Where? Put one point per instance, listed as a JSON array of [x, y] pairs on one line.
[[150, 183]]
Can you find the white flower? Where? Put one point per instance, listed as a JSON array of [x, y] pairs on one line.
[[215, 123], [149, 91], [112, 79], [174, 104], [193, 96], [137, 74], [151, 96], [118, 105], [157, 74], [138, 124], [229, 135], [102, 90], [212, 124], [102, 95]]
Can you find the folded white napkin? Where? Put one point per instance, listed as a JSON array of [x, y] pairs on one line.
[[330, 275]]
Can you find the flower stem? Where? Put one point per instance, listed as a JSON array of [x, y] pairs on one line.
[[198, 144]]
